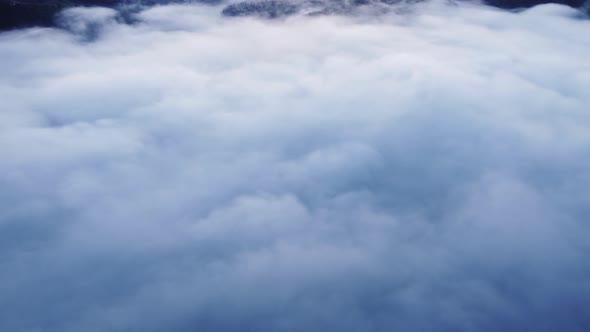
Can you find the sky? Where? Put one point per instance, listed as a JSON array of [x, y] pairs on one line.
[[426, 169]]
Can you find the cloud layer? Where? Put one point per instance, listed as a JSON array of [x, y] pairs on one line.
[[420, 171]]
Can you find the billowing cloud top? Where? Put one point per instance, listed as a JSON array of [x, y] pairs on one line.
[[421, 171]]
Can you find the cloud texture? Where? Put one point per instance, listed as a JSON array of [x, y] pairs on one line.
[[421, 171]]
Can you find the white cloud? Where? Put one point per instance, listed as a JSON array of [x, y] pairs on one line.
[[425, 171]]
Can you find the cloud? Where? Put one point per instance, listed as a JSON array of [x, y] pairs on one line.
[[422, 171]]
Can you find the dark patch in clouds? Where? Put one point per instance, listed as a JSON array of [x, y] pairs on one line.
[[16, 14], [418, 172]]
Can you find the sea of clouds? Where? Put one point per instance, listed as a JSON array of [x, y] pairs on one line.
[[423, 170]]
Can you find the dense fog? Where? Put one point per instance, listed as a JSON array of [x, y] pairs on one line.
[[425, 168]]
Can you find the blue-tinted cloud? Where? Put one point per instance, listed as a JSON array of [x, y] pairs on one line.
[[425, 171]]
